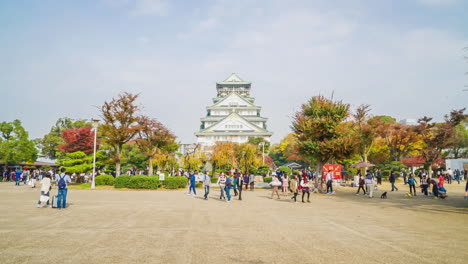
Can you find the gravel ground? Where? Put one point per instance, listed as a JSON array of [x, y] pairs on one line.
[[113, 226]]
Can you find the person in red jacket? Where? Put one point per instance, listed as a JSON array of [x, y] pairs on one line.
[[441, 180]]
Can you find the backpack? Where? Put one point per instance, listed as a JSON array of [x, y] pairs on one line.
[[61, 183]]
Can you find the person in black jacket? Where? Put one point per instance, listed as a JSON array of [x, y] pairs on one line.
[[392, 181]]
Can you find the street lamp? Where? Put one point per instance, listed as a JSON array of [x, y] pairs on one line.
[[263, 152], [95, 128]]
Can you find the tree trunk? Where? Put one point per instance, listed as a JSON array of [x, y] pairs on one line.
[[117, 168], [150, 167]]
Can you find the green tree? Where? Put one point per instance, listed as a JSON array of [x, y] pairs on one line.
[[459, 148], [322, 131], [48, 145], [248, 156], [15, 146], [79, 162]]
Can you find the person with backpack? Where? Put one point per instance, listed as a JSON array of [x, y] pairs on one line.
[[222, 185], [361, 184], [228, 187], [412, 184], [18, 175], [45, 191], [62, 183]]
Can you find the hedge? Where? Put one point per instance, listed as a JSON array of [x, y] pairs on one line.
[[267, 179], [175, 182], [104, 179], [214, 180], [143, 182], [122, 181]]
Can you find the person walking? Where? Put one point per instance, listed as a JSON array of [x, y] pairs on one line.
[[369, 181], [329, 181], [424, 185], [457, 175], [361, 185], [294, 187], [246, 180], [62, 182], [275, 183], [206, 184], [45, 191], [404, 177], [222, 185], [412, 184], [392, 181], [236, 181], [18, 175], [378, 175], [285, 184], [252, 181], [305, 187], [228, 187], [192, 184]]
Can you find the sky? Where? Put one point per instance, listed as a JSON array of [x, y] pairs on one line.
[[66, 58]]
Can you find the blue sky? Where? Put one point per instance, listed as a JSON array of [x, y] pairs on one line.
[[63, 58]]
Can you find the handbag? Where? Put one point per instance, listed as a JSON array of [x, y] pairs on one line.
[[44, 198]]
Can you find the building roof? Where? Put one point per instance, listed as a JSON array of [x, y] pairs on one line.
[[237, 119], [233, 79], [233, 97]]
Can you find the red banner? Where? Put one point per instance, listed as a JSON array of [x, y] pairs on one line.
[[334, 168]]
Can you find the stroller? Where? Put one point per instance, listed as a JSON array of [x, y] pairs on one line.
[[442, 192]]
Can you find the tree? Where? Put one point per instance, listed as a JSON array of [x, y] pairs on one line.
[[78, 139], [322, 131], [401, 139], [48, 145], [154, 138], [223, 155], [283, 151], [15, 146], [365, 131], [120, 117], [459, 148], [437, 137], [248, 156], [80, 162]]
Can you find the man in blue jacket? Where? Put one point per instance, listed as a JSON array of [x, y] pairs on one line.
[[18, 177], [192, 183]]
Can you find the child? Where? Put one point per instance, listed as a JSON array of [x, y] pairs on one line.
[[305, 189]]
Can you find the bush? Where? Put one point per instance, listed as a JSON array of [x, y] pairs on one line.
[[104, 179], [175, 182], [143, 182], [198, 184], [285, 169], [267, 179], [214, 180], [122, 181], [352, 171]]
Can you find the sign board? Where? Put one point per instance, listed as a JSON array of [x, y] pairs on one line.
[[161, 176], [334, 168]]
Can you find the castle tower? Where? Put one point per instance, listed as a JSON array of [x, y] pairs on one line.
[[233, 117]]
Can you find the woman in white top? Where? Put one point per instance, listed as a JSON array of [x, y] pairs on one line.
[[222, 184], [45, 189]]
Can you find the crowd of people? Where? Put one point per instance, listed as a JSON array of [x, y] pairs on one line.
[[304, 182]]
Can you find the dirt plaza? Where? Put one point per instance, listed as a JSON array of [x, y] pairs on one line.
[[117, 226]]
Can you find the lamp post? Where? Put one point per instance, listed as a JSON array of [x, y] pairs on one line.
[[95, 128], [263, 152]]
